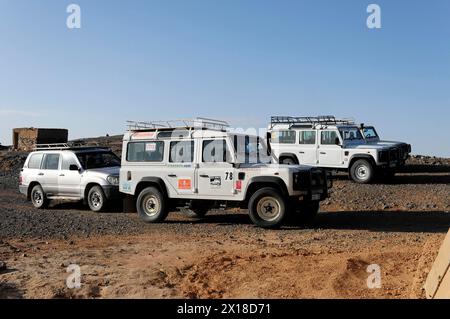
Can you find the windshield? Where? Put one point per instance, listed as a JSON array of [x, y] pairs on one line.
[[350, 134], [250, 149], [369, 132], [90, 160]]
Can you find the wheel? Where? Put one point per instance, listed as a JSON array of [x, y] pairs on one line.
[[267, 208], [288, 161], [96, 199], [306, 212], [151, 205], [38, 197], [362, 172]]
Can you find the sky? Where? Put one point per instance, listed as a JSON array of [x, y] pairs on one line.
[[240, 61]]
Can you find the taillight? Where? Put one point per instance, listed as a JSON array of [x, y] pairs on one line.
[[20, 179], [239, 185]]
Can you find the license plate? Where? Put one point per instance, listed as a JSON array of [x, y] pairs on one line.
[[315, 197]]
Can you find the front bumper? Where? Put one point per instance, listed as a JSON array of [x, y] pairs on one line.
[[112, 192]]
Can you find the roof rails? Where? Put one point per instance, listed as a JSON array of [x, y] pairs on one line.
[[68, 146], [310, 120], [197, 123]]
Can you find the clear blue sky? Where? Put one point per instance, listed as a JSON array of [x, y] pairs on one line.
[[237, 60]]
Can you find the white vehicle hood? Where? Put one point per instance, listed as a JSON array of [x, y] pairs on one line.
[[105, 170], [365, 146]]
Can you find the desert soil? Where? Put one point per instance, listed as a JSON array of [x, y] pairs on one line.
[[398, 226]]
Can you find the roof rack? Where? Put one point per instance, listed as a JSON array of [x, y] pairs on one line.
[[310, 120], [68, 146], [197, 123]]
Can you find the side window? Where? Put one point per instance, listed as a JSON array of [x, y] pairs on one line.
[[35, 161], [329, 137], [284, 137], [145, 151], [67, 160], [308, 137], [51, 162], [181, 152], [215, 151]]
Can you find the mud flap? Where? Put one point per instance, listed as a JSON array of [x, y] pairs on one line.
[[437, 285]]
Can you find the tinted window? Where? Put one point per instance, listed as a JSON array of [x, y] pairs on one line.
[[182, 152], [308, 137], [51, 161], [284, 137], [35, 161], [145, 151], [329, 137], [67, 160], [369, 132], [215, 151], [90, 160]]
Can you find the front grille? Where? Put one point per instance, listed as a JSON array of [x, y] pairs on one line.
[[311, 179]]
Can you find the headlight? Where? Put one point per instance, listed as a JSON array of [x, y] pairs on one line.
[[113, 180]]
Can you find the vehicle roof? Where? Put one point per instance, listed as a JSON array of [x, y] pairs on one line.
[[197, 133], [74, 150]]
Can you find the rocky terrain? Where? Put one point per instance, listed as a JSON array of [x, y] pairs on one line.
[[398, 226]]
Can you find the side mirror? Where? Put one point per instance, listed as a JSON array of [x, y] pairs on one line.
[[337, 141], [73, 167]]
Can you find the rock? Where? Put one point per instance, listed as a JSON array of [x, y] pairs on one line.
[[2, 266]]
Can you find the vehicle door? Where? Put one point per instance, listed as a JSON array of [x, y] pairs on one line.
[[69, 177], [330, 151], [181, 167], [49, 172], [308, 150], [216, 173], [33, 169]]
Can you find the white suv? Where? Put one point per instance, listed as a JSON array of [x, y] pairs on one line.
[[333, 144], [200, 165], [62, 172]]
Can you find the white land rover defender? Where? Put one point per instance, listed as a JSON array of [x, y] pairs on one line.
[[334, 144], [200, 165]]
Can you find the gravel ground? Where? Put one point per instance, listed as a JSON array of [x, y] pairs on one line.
[[399, 226]]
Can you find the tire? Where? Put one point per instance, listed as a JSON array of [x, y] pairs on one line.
[[38, 198], [96, 199], [151, 205], [307, 212], [267, 208], [362, 172], [288, 161]]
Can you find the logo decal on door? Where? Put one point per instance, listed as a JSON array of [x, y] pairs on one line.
[[215, 181], [184, 183]]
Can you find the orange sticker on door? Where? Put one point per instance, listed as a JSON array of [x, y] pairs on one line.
[[184, 183]]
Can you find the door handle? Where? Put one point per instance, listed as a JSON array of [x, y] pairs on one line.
[[41, 174], [172, 175], [323, 153], [62, 175], [302, 152], [204, 176]]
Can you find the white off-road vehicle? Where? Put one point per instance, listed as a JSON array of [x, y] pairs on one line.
[[71, 172], [200, 165], [371, 136], [333, 144]]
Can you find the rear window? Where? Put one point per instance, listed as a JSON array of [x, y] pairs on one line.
[[145, 151], [284, 137], [35, 161]]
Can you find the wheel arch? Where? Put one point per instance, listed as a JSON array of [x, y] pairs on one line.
[[30, 188], [283, 156], [358, 157], [149, 182], [259, 182]]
